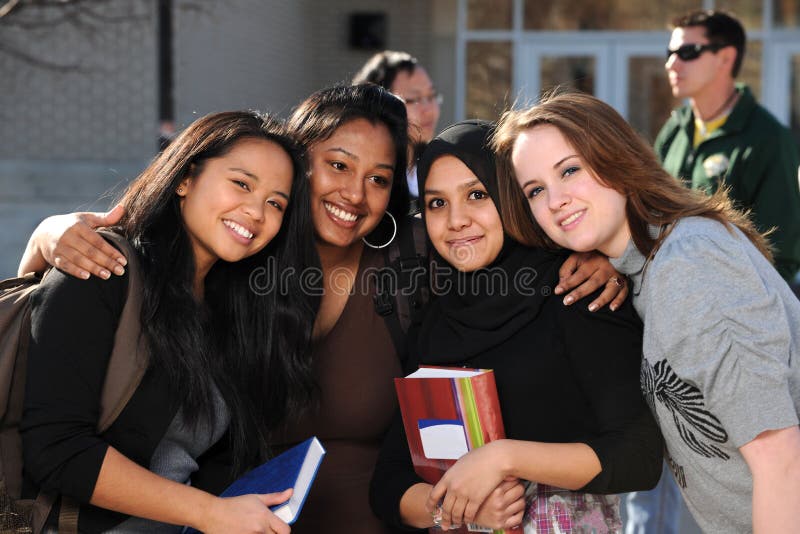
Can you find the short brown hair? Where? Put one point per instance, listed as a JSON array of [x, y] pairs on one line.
[[721, 28], [619, 158]]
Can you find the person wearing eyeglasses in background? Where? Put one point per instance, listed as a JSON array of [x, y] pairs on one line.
[[401, 74], [721, 138]]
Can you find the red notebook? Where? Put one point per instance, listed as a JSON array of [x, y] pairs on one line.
[[448, 411]]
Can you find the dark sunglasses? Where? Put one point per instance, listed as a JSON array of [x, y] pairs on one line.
[[690, 52]]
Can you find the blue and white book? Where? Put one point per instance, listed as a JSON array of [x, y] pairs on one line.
[[294, 468]]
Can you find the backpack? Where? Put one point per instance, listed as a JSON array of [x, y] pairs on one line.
[[402, 288], [126, 367]]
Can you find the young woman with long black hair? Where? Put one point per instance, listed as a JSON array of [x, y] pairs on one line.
[[225, 364]]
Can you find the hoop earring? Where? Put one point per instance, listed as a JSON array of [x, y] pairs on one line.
[[394, 233]]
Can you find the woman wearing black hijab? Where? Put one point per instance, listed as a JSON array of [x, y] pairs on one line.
[[567, 379]]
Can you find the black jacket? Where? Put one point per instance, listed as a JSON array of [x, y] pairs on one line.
[[570, 376], [72, 334]]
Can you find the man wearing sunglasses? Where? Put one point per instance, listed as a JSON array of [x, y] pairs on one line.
[[723, 137]]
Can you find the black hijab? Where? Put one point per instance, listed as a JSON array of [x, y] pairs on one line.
[[476, 312]]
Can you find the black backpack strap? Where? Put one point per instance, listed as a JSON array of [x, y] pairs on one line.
[[415, 270], [402, 287]]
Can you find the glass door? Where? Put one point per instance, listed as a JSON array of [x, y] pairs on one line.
[[544, 66], [642, 92], [782, 96], [627, 71]]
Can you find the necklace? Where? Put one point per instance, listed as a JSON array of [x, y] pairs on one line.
[[701, 125]]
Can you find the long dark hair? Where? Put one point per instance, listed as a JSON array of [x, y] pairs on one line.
[[322, 113], [621, 160], [252, 345]]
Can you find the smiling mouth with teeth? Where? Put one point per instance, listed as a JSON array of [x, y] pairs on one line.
[[340, 213], [572, 218], [239, 229]]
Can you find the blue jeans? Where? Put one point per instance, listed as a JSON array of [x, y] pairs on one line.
[[657, 511]]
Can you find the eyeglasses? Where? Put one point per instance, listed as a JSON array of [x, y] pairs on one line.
[[690, 52], [436, 98]]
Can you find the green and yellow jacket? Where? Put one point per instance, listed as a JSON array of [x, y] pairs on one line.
[[754, 156]]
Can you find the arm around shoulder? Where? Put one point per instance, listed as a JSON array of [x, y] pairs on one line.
[[70, 243]]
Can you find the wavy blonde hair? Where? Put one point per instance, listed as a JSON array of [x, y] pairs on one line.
[[619, 158]]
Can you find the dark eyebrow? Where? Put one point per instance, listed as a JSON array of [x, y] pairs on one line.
[[247, 173], [355, 157], [471, 183], [343, 151], [254, 177]]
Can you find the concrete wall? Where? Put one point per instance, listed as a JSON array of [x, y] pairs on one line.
[[442, 62], [333, 61], [31, 191], [102, 107], [70, 136], [425, 29], [269, 55], [240, 54]]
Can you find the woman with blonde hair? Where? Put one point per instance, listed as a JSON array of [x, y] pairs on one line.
[[722, 329]]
